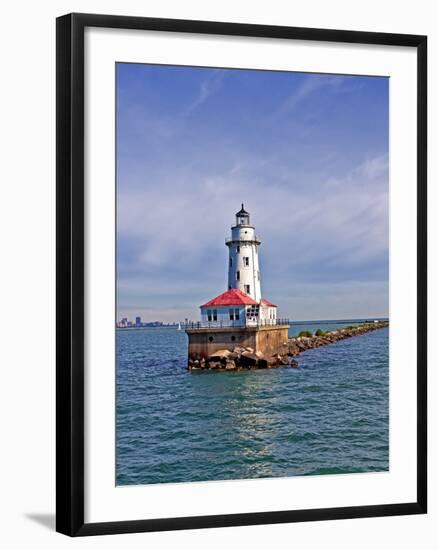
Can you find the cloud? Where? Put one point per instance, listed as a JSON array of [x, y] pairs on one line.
[[209, 86], [308, 86]]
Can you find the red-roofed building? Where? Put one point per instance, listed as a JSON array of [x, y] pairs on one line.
[[232, 297], [265, 302], [236, 309]]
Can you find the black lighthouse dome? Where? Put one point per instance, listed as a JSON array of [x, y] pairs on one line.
[[242, 217]]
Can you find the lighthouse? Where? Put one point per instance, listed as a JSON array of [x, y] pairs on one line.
[[240, 316], [243, 266]]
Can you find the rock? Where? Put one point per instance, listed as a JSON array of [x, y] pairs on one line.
[[251, 350], [259, 354], [238, 350], [275, 360], [230, 365], [193, 364], [294, 363], [262, 364], [213, 365], [293, 348], [220, 354], [248, 359]]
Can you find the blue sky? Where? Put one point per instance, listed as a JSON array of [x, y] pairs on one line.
[[306, 153]]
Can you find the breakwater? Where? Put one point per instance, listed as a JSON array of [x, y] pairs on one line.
[[246, 358]]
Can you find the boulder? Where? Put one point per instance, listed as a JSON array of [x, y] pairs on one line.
[[251, 350], [248, 359], [262, 364], [293, 348], [230, 365], [220, 354]]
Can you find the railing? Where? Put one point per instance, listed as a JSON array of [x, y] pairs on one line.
[[235, 324], [230, 240]]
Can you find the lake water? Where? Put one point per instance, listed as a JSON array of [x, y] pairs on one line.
[[328, 416]]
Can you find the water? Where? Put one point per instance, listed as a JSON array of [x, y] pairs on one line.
[[328, 416]]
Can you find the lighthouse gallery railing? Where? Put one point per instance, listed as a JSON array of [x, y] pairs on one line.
[[235, 324]]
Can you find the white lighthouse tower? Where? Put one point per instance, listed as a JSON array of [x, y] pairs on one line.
[[243, 266]]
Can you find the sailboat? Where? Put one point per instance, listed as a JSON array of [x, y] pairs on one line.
[[179, 326]]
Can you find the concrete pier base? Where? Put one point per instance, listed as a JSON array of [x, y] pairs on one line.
[[269, 340]]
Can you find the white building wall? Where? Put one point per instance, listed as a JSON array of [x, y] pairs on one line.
[[222, 316], [248, 316], [268, 314]]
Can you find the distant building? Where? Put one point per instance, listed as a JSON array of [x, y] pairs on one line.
[[138, 321]]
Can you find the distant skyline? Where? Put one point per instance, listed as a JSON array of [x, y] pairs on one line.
[[306, 153]]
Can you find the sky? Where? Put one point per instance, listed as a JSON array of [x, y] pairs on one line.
[[306, 153]]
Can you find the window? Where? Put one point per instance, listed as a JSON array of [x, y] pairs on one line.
[[246, 261], [231, 262], [238, 275], [247, 289], [238, 249], [209, 314], [252, 311], [236, 314], [231, 314], [210, 338], [215, 315]]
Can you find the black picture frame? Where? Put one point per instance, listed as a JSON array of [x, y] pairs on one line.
[[70, 273]]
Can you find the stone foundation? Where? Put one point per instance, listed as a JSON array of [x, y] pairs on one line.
[[267, 340]]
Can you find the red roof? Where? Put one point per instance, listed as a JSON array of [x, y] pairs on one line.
[[232, 297], [266, 302]]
